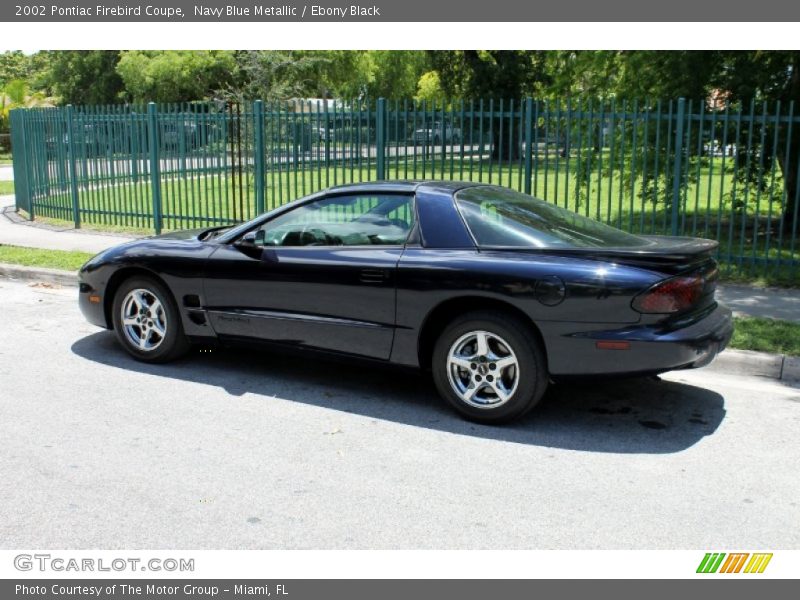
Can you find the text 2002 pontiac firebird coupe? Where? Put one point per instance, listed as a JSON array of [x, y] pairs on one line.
[[495, 291]]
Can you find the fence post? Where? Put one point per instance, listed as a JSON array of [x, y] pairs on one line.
[[677, 165], [528, 144], [258, 116], [19, 153], [380, 138], [73, 171], [155, 167]]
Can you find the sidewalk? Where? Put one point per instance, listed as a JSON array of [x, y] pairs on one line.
[[6, 173], [774, 303], [16, 231], [743, 300]]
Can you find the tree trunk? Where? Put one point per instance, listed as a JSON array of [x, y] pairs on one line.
[[501, 150], [789, 168], [790, 182]]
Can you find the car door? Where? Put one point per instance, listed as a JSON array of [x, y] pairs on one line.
[[322, 275]]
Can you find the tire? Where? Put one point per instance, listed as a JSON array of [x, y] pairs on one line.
[[468, 379], [158, 335]]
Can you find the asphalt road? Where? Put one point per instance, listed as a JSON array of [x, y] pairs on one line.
[[252, 450]]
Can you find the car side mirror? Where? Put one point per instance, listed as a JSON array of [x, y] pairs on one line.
[[251, 244], [252, 239], [247, 240]]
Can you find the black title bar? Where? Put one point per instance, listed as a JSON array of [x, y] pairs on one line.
[[401, 10]]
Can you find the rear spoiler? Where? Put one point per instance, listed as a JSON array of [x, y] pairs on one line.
[[663, 253]]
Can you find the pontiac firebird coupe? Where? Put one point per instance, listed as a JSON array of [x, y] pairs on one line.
[[496, 292]]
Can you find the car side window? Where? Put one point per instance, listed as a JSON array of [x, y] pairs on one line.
[[352, 220]]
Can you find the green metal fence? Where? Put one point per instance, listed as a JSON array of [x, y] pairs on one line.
[[677, 167]]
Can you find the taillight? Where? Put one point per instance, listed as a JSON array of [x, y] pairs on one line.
[[670, 296]]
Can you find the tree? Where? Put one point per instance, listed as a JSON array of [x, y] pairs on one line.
[[273, 75], [740, 77], [773, 77], [13, 65], [174, 76], [507, 74], [83, 76], [492, 74], [429, 88], [17, 94], [394, 74]]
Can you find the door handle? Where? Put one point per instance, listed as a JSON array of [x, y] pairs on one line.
[[373, 275]]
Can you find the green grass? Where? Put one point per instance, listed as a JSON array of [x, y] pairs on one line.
[[5, 158], [36, 257], [6, 187], [766, 335]]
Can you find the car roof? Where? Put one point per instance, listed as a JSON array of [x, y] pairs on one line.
[[402, 186]]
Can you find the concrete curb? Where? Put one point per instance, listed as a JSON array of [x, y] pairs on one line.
[[39, 274], [734, 362], [757, 364]]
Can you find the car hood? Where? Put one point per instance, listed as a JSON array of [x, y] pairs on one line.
[[188, 234]]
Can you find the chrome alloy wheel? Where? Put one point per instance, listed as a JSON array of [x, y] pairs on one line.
[[482, 369], [144, 319]]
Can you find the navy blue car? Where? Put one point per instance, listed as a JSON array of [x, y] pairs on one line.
[[495, 292]]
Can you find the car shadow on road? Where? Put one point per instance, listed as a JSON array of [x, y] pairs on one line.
[[647, 416]]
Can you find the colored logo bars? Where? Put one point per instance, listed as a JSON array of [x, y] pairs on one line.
[[735, 562]]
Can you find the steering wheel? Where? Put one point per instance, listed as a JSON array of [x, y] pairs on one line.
[[319, 237]]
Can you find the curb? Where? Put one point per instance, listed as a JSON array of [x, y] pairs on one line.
[[757, 364], [39, 274], [739, 362]]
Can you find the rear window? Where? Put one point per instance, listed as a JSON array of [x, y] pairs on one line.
[[504, 218]]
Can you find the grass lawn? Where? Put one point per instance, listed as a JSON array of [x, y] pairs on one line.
[[766, 335], [5, 158], [51, 259], [6, 187]]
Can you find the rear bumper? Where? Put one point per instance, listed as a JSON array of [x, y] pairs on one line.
[[650, 349]]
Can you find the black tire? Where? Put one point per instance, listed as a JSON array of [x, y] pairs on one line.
[[510, 333], [172, 345]]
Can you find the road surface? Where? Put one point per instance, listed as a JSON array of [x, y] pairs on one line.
[[244, 449]]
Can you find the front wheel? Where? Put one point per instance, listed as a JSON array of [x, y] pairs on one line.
[[147, 322], [490, 367]]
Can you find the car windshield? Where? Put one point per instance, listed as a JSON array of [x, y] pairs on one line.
[[501, 217]]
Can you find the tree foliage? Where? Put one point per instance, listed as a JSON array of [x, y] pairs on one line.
[[496, 74], [83, 76], [176, 76]]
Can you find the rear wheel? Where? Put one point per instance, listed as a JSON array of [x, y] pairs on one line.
[[147, 322], [489, 366]]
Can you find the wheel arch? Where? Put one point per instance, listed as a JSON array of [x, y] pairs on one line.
[[117, 279], [445, 312]]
